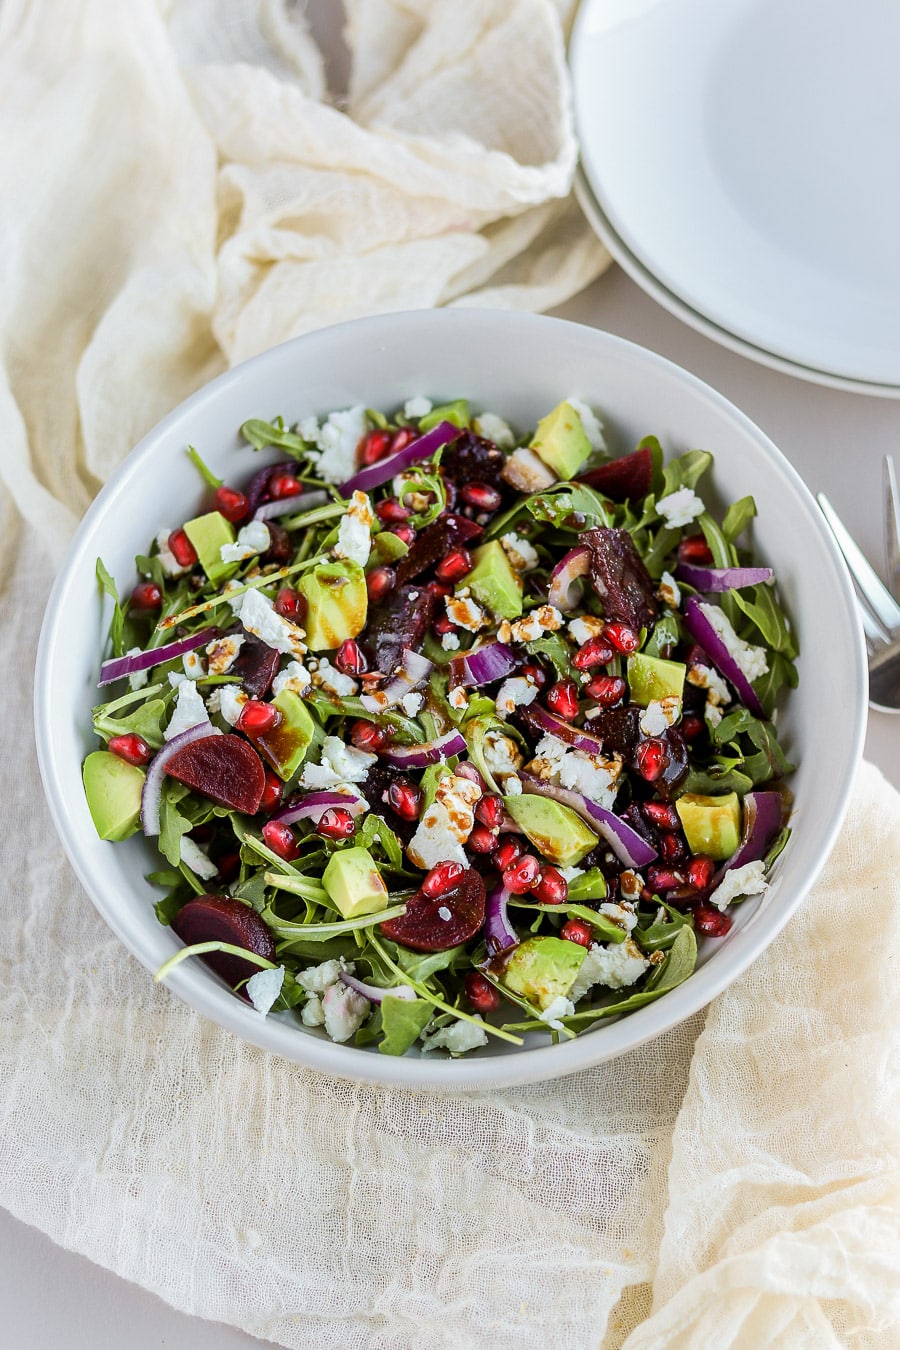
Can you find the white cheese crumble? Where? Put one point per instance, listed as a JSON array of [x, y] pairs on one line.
[[493, 428], [169, 563], [355, 531], [593, 428], [317, 979], [516, 692], [446, 824], [631, 884], [223, 652], [417, 407], [333, 681], [458, 1037], [712, 714], [458, 698], [450, 642], [192, 854], [615, 964], [527, 471], [543, 619], [463, 611], [193, 666], [512, 786], [623, 915], [411, 703], [555, 1011], [340, 765], [521, 554], [751, 660], [312, 1013], [258, 617], [704, 677], [189, 710], [345, 1011], [254, 538], [585, 628], [594, 776], [747, 880], [501, 754], [227, 700], [669, 591], [140, 677], [680, 507], [264, 987], [337, 440], [660, 714]]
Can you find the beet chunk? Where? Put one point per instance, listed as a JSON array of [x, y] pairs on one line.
[[619, 729], [620, 578], [438, 539], [629, 476], [256, 665], [375, 788], [472, 459], [223, 768], [401, 622], [218, 918], [425, 929]]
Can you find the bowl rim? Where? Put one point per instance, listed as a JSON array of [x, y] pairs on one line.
[[531, 1063]]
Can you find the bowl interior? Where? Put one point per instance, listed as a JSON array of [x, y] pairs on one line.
[[518, 366]]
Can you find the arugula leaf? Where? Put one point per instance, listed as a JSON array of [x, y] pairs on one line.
[[781, 671], [724, 553], [204, 471], [117, 623], [420, 966], [576, 499], [685, 470], [150, 567], [402, 1019], [145, 722], [738, 517], [765, 613], [678, 965], [666, 634], [657, 937], [663, 544], [173, 824], [717, 777], [262, 434], [770, 762], [553, 647], [165, 910], [375, 830]]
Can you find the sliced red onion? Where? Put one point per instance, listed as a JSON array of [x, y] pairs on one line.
[[564, 591], [468, 770], [414, 669], [563, 731], [431, 752], [287, 506], [156, 772], [131, 665], [373, 992], [715, 579], [628, 846], [492, 662], [314, 804], [420, 448], [499, 934], [762, 821], [702, 631]]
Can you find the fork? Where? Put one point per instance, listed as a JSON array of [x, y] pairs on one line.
[[878, 607]]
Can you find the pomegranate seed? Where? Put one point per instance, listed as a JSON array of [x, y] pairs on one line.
[[405, 798], [520, 876], [146, 595], [671, 848], [405, 533], [691, 727], [482, 839], [441, 879], [551, 887], [663, 878], [507, 853], [455, 566], [350, 659], [438, 590], [576, 930], [481, 994], [695, 549], [379, 583], [280, 839], [336, 823], [562, 699], [607, 690], [623, 638], [366, 736], [709, 922], [272, 792], [662, 815], [489, 810], [183, 549], [536, 674], [401, 438], [133, 749], [290, 604], [373, 446], [652, 758], [595, 652], [443, 624], [391, 512], [257, 717], [283, 485], [481, 495], [229, 864], [230, 503], [700, 871]]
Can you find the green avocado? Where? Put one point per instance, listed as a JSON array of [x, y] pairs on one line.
[[208, 533], [555, 830], [712, 825], [285, 745], [354, 883], [560, 441], [386, 548], [337, 604], [113, 790], [456, 412], [494, 582], [649, 678], [543, 968]]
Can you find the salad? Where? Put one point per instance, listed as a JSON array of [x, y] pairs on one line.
[[445, 733]]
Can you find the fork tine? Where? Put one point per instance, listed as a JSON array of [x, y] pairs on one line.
[[877, 595], [891, 527]]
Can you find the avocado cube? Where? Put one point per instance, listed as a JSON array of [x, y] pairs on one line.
[[541, 969], [561, 442], [712, 825], [285, 745], [354, 883], [555, 830], [456, 412], [337, 603], [649, 678], [208, 533], [494, 582], [386, 548], [113, 789]]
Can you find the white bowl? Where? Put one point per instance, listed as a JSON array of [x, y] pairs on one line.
[[518, 366]]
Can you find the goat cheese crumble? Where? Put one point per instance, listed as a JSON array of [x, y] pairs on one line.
[[747, 880]]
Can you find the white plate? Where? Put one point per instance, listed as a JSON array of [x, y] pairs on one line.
[[746, 154], [620, 251]]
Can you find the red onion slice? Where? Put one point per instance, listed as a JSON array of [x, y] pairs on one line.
[[373, 992], [287, 506], [564, 590], [628, 846], [702, 631], [156, 772], [492, 662], [421, 448], [499, 934], [431, 752], [717, 579], [762, 820], [414, 669], [563, 731], [131, 665], [314, 804]]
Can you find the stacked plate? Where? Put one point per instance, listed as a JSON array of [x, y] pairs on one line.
[[740, 161]]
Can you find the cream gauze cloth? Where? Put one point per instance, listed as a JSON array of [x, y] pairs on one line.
[[177, 193]]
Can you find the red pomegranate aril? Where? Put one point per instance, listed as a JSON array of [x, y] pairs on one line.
[[290, 604], [607, 690], [441, 879], [663, 878], [671, 848], [401, 438], [652, 758], [336, 823], [182, 548], [257, 717], [480, 495], [438, 590], [379, 583], [283, 485], [280, 839], [349, 659], [367, 736], [405, 798], [536, 674], [662, 815], [272, 792], [562, 699], [623, 638], [231, 504], [443, 624], [595, 652], [405, 533], [520, 876], [373, 446], [482, 839], [551, 887], [700, 871], [691, 727], [695, 549], [133, 749], [455, 566], [146, 595], [576, 930], [709, 921], [482, 995], [507, 853], [489, 810], [391, 512]]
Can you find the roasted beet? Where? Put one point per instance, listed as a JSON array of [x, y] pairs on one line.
[[401, 622], [674, 761], [375, 788], [629, 476], [472, 459], [223, 768], [434, 543], [256, 665], [217, 918], [620, 578], [632, 815], [618, 728], [280, 549], [258, 490], [435, 925]]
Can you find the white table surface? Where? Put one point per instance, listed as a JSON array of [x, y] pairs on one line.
[[52, 1298]]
